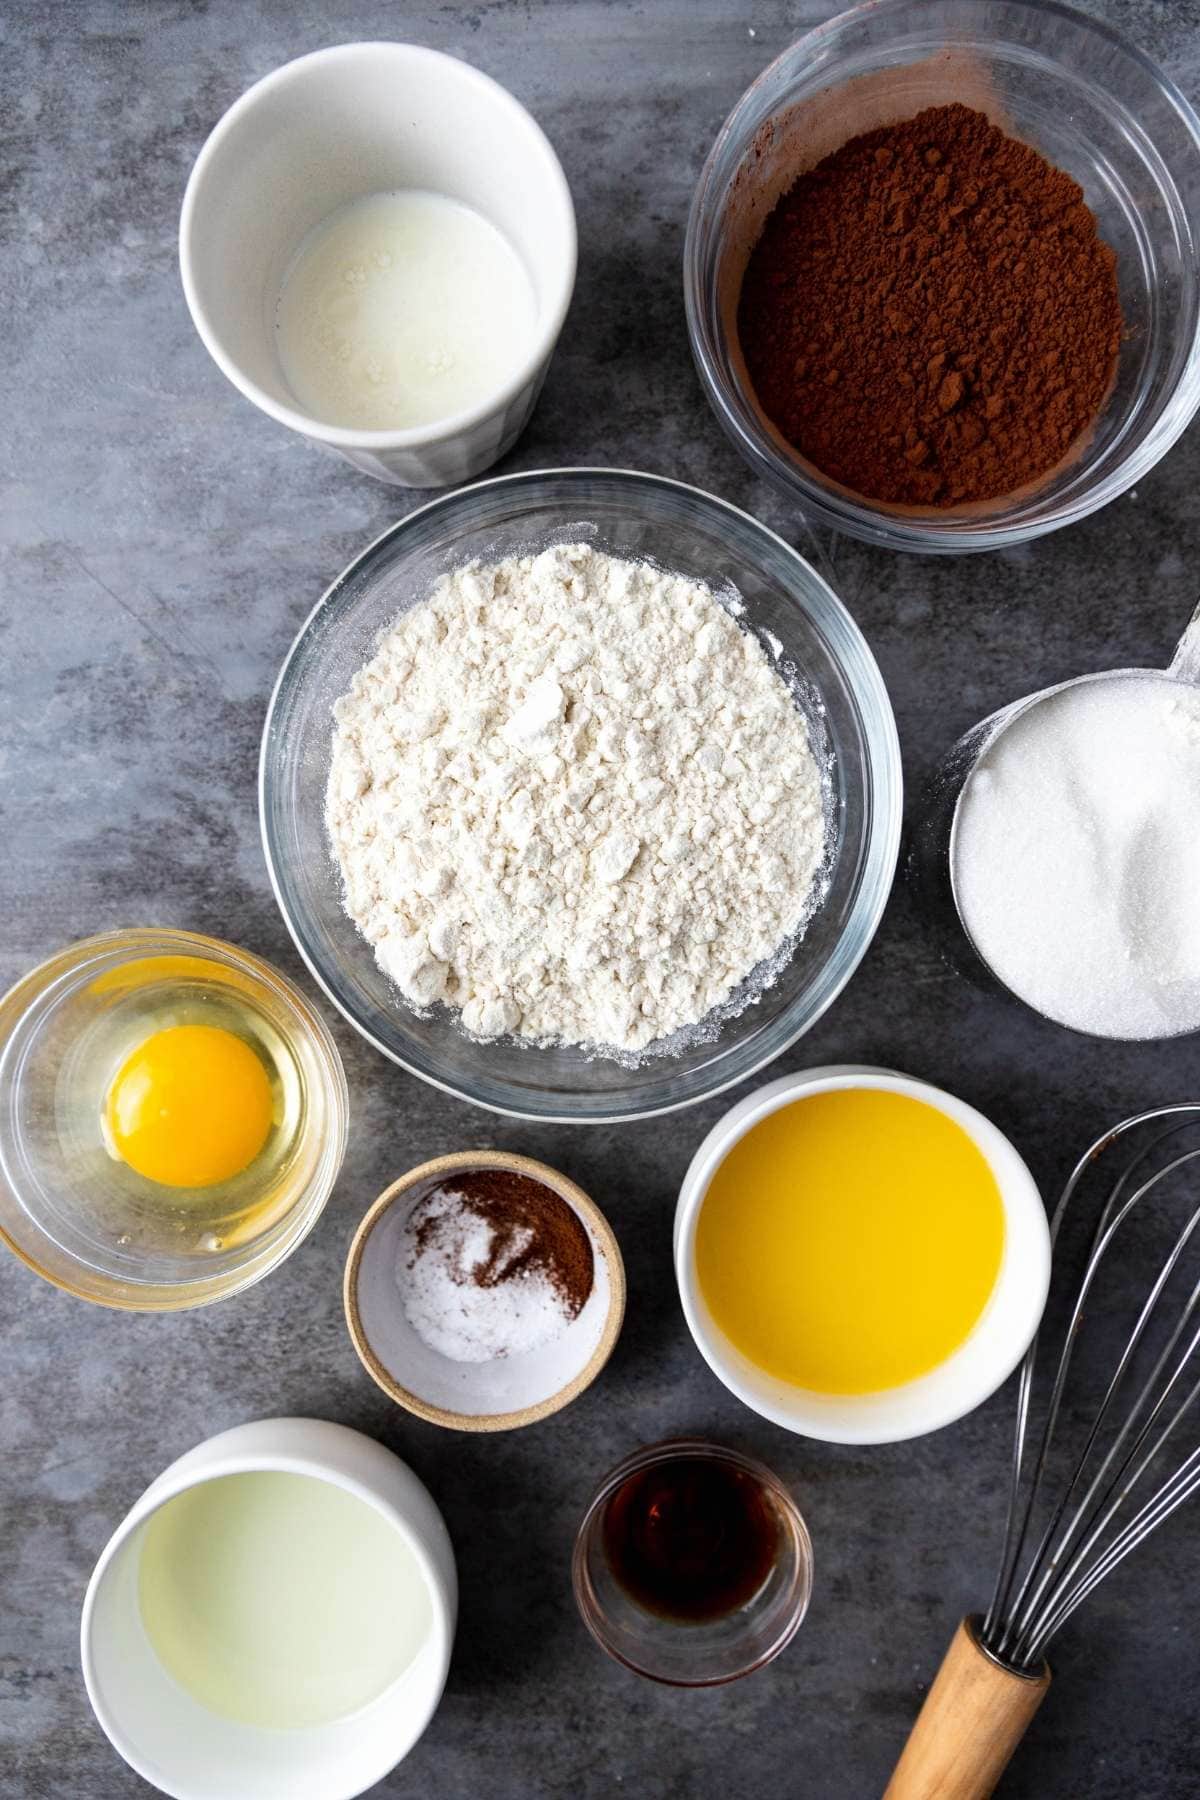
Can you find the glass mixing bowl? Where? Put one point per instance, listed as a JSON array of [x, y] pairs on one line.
[[1089, 102], [635, 516], [84, 1220]]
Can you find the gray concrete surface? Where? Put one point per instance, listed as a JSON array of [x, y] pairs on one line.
[[160, 543]]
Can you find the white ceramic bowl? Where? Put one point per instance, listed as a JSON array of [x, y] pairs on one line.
[[187, 1751], [330, 128], [993, 1349]]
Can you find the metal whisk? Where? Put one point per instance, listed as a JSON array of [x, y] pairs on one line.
[[1132, 1471]]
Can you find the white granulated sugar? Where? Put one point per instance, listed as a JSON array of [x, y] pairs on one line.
[[1077, 857], [572, 798]]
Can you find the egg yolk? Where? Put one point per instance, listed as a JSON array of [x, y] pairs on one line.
[[191, 1106]]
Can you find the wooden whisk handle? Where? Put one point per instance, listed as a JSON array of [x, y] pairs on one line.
[[974, 1716]]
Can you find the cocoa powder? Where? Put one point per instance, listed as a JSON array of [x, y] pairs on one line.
[[929, 315], [533, 1229]]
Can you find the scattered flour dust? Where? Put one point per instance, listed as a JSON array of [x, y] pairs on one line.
[[572, 798]]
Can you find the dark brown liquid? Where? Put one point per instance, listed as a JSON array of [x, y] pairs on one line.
[[691, 1539]]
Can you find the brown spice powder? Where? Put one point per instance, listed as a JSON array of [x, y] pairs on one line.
[[929, 315], [533, 1228]]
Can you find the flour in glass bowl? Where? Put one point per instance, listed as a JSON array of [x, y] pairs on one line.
[[572, 799]]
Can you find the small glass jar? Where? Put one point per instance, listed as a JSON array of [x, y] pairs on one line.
[[701, 1651]]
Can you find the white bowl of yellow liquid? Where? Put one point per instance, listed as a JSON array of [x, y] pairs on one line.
[[274, 1618], [173, 1116], [861, 1257], [378, 247]]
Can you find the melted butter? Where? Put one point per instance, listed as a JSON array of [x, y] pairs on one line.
[[850, 1242]]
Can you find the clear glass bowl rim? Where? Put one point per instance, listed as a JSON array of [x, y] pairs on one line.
[[860, 519], [882, 778]]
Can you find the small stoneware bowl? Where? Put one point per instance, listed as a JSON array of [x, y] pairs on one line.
[[331, 128], [985, 1359], [482, 1396], [192, 1753]]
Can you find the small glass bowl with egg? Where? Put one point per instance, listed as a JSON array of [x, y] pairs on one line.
[[172, 1119]]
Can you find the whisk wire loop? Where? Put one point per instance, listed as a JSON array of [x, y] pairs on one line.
[[1038, 1589], [1051, 1566], [1179, 1487]]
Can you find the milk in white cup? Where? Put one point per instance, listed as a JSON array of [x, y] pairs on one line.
[[150, 1631], [326, 132], [401, 310]]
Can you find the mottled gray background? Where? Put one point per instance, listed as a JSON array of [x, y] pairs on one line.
[[160, 543]]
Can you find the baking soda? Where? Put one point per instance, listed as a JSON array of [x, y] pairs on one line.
[[475, 1289], [1076, 856]]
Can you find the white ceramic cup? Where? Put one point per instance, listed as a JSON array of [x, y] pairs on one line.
[[191, 1753], [977, 1368], [333, 127]]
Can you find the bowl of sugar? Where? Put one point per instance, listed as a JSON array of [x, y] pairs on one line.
[[273, 1618], [1059, 850], [377, 247]]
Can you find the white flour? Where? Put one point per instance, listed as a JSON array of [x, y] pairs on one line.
[[570, 797]]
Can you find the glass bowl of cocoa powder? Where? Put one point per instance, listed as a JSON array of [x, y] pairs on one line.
[[942, 271]]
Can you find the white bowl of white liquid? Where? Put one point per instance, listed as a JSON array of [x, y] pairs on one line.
[[378, 247], [274, 1618]]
